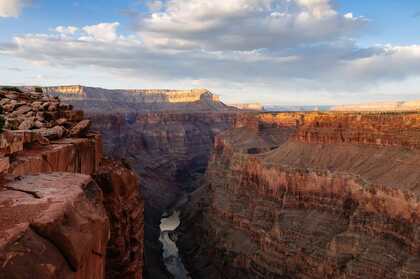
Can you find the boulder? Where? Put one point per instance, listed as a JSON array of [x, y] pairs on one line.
[[27, 124], [53, 133], [80, 129], [52, 226]]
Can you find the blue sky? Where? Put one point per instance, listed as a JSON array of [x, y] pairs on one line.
[[272, 51]]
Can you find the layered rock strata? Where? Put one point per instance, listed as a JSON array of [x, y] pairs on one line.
[[125, 209], [170, 152], [54, 217], [52, 226], [338, 199], [140, 100]]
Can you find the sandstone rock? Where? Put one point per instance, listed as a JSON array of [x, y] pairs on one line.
[[26, 124], [52, 226], [8, 107], [10, 143], [81, 128], [38, 124], [125, 208], [52, 107], [44, 106], [22, 110], [56, 132], [4, 165], [61, 121], [36, 105], [4, 101], [12, 123]]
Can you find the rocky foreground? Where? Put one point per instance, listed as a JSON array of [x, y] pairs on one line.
[[315, 195], [65, 212]]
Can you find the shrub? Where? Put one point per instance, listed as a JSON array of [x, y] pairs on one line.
[[38, 90]]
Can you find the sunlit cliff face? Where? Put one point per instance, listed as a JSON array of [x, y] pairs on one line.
[[140, 95]]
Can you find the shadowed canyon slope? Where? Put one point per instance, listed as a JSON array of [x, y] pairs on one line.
[[338, 198], [167, 136]]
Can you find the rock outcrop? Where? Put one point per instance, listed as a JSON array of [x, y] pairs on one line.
[[54, 216], [338, 199], [101, 100], [125, 209], [52, 226], [248, 106]]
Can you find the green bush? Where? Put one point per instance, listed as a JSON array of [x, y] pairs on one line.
[[38, 90]]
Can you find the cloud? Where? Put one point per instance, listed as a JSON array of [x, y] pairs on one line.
[[104, 32], [329, 65], [66, 30], [11, 8], [245, 24], [270, 49]]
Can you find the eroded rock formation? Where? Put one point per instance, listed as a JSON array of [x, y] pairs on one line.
[[125, 209], [54, 217], [141, 100], [338, 198], [170, 152]]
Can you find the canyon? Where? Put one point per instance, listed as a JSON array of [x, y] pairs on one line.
[[309, 195], [258, 195], [168, 144]]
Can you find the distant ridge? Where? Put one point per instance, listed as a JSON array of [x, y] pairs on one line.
[[381, 106], [248, 106], [92, 99]]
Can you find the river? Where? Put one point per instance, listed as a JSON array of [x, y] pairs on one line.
[[171, 258]]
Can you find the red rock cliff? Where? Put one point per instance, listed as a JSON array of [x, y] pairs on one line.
[[54, 217], [170, 152], [338, 199]]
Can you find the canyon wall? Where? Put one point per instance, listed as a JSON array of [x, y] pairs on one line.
[[339, 198], [102, 100], [56, 220], [170, 152], [166, 135]]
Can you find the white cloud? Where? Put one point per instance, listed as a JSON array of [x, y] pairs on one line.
[[104, 32], [329, 66], [271, 49], [11, 8], [66, 30], [245, 24]]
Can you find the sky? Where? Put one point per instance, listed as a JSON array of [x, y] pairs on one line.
[[278, 52]]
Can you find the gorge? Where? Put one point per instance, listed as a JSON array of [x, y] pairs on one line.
[[258, 195]]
